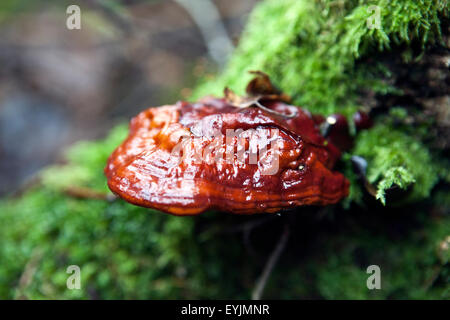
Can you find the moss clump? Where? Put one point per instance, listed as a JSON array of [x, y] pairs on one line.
[[397, 159], [320, 52], [312, 49]]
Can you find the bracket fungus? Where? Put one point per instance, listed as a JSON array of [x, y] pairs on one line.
[[257, 154]]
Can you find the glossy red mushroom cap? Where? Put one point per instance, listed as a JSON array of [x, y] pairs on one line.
[[187, 158]]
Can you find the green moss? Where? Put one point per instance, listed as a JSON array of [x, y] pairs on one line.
[[397, 159], [344, 274], [311, 49]]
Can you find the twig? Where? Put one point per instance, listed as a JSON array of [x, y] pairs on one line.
[[87, 193], [261, 283]]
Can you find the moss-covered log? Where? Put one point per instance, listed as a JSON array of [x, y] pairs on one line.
[[323, 54]]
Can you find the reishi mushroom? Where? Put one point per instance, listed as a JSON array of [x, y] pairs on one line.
[[181, 159]]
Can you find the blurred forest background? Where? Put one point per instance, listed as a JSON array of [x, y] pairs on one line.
[[59, 86]]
